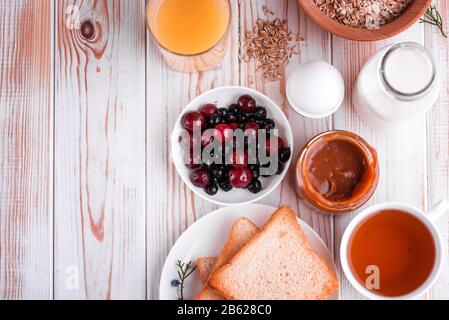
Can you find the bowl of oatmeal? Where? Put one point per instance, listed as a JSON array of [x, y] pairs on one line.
[[365, 20]]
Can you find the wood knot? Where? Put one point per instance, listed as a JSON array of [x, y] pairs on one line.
[[87, 30]]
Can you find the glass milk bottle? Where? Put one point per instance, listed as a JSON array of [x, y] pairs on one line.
[[398, 83]]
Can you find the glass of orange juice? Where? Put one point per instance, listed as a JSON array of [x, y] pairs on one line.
[[192, 34]]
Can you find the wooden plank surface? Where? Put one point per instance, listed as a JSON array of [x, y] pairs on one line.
[[100, 150], [438, 142], [119, 204], [26, 145]]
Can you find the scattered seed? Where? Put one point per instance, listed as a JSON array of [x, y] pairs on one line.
[[269, 45]]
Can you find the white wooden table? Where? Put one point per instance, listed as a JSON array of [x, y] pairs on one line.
[[90, 202]]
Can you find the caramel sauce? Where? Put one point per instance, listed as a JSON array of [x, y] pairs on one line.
[[337, 172], [335, 169]]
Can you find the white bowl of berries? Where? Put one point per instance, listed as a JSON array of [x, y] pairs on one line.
[[232, 145]]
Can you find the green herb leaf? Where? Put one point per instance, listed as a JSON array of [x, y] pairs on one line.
[[433, 17], [184, 271]]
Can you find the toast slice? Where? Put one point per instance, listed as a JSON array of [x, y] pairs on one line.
[[278, 263], [204, 267], [241, 232], [207, 293]]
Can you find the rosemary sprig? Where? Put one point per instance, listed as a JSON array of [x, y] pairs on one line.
[[433, 17], [184, 271]]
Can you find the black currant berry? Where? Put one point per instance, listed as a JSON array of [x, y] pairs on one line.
[[260, 114], [231, 117], [222, 112], [225, 186], [268, 124], [255, 186], [251, 118], [233, 108], [215, 120], [285, 154], [242, 117], [212, 189]]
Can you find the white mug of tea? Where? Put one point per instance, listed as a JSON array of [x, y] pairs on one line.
[[393, 250]]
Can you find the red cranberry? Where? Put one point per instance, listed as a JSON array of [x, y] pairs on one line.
[[247, 104], [224, 132], [192, 119], [200, 178], [252, 125], [240, 177], [208, 110], [239, 159], [233, 125], [269, 148]]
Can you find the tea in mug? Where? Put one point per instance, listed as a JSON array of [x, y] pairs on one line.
[[394, 246]]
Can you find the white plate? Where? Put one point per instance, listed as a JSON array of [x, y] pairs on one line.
[[223, 97], [206, 237]]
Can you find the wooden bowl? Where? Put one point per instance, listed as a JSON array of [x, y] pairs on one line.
[[414, 11]]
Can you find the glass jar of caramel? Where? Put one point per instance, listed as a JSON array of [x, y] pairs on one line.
[[337, 172]]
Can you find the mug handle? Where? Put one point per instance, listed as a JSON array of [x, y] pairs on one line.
[[438, 210]]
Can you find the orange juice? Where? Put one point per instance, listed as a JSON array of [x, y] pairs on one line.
[[189, 27]]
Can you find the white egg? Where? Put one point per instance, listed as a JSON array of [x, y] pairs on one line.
[[315, 89]]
